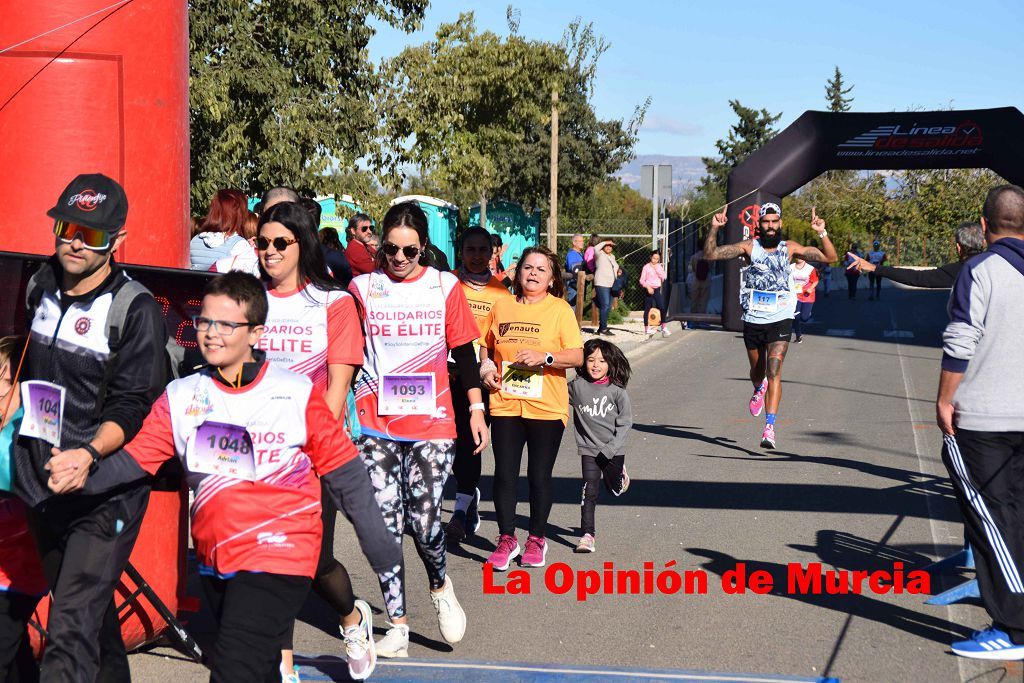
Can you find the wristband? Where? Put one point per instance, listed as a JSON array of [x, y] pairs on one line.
[[96, 457], [823, 234], [487, 367], [477, 406]]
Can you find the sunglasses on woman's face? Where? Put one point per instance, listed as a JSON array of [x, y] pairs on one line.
[[409, 251], [280, 243]]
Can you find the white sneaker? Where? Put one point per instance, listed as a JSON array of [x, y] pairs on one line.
[[451, 620], [290, 676], [395, 643], [359, 648], [665, 332]]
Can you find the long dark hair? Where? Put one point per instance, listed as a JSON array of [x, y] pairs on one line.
[[618, 365], [405, 215], [312, 267], [557, 285]]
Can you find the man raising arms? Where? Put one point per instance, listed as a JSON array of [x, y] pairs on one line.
[[767, 300]]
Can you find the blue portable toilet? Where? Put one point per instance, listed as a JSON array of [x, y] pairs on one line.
[[442, 221], [509, 221], [334, 212]]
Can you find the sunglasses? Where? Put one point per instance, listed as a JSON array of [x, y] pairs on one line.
[[280, 243], [410, 251], [225, 327], [96, 240], [366, 228]]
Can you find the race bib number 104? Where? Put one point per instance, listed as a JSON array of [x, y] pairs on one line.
[[44, 410]]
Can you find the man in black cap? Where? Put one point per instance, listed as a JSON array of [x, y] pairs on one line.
[[85, 530]]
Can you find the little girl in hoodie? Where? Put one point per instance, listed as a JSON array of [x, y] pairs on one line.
[[602, 416]]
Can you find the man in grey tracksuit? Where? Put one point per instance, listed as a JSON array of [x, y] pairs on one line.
[[981, 414]]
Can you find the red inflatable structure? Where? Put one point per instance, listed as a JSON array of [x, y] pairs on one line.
[[102, 86]]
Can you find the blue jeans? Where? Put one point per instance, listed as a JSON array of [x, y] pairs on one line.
[[803, 314], [604, 305]]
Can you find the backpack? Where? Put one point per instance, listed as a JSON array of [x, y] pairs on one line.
[[116, 317]]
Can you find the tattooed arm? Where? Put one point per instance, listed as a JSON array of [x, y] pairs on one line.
[[712, 251]]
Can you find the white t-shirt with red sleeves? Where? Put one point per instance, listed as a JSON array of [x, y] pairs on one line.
[[272, 523], [311, 328], [409, 327]]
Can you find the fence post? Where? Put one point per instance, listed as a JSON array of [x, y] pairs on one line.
[[581, 289]]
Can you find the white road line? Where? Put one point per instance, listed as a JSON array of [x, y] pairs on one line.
[[833, 332]]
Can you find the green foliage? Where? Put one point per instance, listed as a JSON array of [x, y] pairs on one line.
[[609, 199], [751, 132], [279, 90], [836, 94]]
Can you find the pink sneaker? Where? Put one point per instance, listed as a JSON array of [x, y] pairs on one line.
[[507, 550], [536, 551], [767, 439], [757, 400]]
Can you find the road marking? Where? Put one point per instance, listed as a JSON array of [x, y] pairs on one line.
[[320, 668], [833, 332], [898, 334]]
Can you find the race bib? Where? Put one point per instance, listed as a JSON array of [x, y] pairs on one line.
[[409, 394], [764, 302], [44, 410], [222, 449], [520, 381]]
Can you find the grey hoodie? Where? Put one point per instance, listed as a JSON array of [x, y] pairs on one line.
[[602, 415], [983, 339]]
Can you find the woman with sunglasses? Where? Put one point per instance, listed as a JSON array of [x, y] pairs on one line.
[[413, 315], [313, 329], [529, 343], [482, 289]]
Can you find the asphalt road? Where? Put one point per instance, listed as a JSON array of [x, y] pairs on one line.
[[855, 484]]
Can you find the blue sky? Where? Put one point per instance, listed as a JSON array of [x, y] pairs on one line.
[[692, 58]]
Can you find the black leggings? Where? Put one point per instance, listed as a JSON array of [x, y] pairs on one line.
[[17, 665], [594, 470], [851, 283], [253, 611], [875, 284], [656, 300], [508, 437], [466, 467]]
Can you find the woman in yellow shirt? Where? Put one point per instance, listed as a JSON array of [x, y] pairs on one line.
[[529, 342]]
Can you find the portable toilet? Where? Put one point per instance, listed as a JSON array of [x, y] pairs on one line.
[[509, 221], [442, 221], [329, 212]]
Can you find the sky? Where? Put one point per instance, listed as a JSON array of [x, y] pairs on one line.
[[692, 58]]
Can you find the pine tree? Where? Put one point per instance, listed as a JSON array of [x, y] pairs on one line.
[[836, 94], [750, 133]]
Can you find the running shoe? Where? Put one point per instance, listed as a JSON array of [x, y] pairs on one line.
[[768, 438], [451, 619], [989, 643], [290, 676], [665, 332], [395, 642], [648, 332], [455, 532], [799, 339], [757, 400], [507, 550], [586, 544], [536, 551], [624, 486], [359, 647], [473, 514]]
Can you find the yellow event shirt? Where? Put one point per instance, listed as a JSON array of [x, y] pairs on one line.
[[482, 299], [548, 326]]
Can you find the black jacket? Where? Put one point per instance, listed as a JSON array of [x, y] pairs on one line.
[[68, 346], [942, 277]]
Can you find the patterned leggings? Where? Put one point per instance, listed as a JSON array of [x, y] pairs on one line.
[[408, 480]]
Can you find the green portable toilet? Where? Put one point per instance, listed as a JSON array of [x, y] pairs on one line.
[[442, 221], [508, 220]]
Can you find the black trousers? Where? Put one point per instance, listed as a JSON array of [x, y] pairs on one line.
[[875, 284], [851, 283], [253, 613], [541, 438], [84, 543], [656, 300], [594, 470], [17, 664], [466, 466], [987, 469]]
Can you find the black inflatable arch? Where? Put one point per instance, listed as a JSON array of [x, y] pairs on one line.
[[822, 141]]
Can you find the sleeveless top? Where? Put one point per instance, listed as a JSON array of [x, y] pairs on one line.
[[766, 293]]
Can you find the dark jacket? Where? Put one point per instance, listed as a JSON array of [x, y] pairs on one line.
[[942, 277], [68, 346]]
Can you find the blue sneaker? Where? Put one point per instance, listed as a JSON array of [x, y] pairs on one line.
[[990, 643]]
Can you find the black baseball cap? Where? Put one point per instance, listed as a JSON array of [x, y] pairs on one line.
[[92, 200]]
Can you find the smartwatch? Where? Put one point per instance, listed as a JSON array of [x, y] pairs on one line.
[[549, 359], [96, 457]]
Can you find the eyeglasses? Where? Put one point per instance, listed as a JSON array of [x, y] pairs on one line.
[[96, 240], [366, 228], [224, 327], [280, 243], [410, 251]]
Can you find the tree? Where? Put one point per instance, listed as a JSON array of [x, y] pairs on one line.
[[279, 90], [836, 94], [754, 129]]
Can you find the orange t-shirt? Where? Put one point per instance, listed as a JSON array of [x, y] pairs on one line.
[[482, 299], [548, 326]]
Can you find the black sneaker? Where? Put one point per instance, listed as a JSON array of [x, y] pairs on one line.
[[455, 532], [799, 340], [473, 514]]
